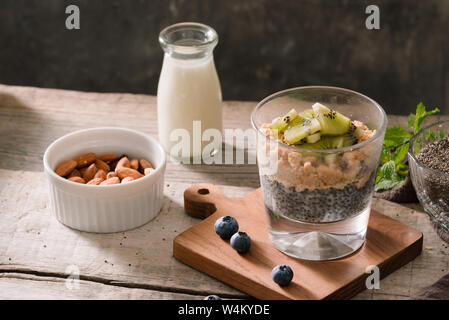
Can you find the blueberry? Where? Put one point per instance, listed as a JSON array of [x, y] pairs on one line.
[[226, 226], [212, 297], [241, 242], [282, 275]]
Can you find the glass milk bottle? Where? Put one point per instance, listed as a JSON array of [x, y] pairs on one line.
[[189, 94]]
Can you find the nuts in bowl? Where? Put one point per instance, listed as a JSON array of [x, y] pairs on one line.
[[104, 170], [105, 179]]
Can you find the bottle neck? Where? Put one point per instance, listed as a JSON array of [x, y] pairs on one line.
[[188, 41]]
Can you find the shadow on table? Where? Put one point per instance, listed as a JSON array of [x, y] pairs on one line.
[[236, 167]]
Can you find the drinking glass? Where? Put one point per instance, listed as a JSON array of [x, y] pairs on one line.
[[317, 202]]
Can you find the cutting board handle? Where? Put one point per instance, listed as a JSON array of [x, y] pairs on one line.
[[200, 200]]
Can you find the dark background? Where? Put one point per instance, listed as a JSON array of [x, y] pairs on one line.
[[264, 46]]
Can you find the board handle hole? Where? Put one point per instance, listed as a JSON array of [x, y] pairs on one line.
[[203, 191]]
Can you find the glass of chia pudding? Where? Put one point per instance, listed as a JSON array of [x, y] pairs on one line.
[[318, 150], [429, 170]]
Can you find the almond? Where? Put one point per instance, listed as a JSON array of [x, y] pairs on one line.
[[148, 171], [101, 165], [101, 174], [83, 171], [109, 157], [65, 167], [123, 163], [124, 172], [86, 159], [74, 173], [145, 164], [111, 174], [127, 179], [90, 172], [77, 179], [96, 181], [113, 180], [134, 164]]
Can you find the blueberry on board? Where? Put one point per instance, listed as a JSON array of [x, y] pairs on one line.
[[226, 226], [212, 297], [241, 242], [282, 275]]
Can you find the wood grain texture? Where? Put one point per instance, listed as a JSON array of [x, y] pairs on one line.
[[55, 288], [32, 242], [389, 245]]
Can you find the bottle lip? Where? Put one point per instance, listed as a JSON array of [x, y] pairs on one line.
[[188, 35]]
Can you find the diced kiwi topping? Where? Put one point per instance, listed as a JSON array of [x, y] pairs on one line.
[[332, 122], [317, 128], [281, 123]]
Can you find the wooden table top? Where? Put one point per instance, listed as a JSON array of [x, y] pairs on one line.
[[38, 254]]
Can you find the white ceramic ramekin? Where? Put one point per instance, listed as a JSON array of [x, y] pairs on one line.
[[111, 208]]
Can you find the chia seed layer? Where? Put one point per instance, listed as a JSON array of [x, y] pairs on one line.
[[318, 205]]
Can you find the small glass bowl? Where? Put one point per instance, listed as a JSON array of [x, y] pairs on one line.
[[432, 186]]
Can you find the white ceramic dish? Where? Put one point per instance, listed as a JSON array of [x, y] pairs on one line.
[[111, 208]]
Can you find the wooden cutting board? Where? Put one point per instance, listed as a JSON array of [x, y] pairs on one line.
[[389, 245]]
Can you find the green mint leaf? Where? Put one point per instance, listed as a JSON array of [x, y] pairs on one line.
[[379, 176], [430, 135], [400, 153], [385, 154], [387, 177], [388, 169], [422, 114], [411, 121], [420, 111], [385, 184], [396, 136]]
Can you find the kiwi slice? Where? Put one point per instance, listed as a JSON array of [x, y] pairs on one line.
[[296, 133], [281, 123], [307, 114], [315, 125], [332, 122], [328, 142], [295, 122], [352, 135], [313, 138]]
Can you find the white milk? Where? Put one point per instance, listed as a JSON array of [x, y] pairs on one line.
[[188, 91]]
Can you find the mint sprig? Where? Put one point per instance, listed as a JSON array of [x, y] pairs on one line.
[[392, 171]]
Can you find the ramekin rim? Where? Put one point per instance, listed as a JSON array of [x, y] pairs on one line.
[[157, 171]]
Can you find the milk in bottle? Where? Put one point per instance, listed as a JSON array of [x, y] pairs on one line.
[[189, 94]]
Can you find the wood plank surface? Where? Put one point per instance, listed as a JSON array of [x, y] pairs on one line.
[[33, 243], [40, 287]]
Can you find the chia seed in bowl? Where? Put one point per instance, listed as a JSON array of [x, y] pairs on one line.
[[435, 155], [429, 170]]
